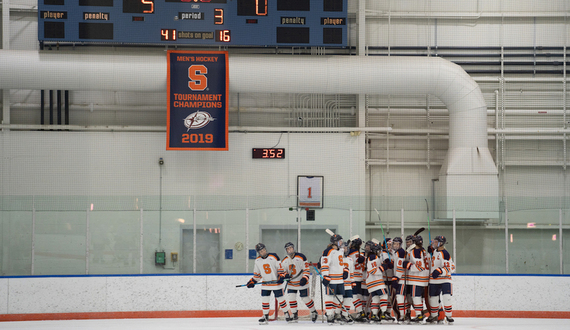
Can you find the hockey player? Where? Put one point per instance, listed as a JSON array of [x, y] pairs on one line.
[[348, 284], [268, 269], [417, 266], [386, 257], [359, 268], [332, 271], [399, 278], [297, 270], [440, 280], [376, 286]]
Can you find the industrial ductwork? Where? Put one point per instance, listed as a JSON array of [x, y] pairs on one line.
[[468, 172]]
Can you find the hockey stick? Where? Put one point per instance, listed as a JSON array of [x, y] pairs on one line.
[[322, 305], [328, 287], [429, 230], [256, 283], [419, 231], [382, 227]]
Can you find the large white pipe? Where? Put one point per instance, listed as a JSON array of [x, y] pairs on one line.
[[284, 74]]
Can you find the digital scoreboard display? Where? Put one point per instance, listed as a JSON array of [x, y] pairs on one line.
[[320, 23]]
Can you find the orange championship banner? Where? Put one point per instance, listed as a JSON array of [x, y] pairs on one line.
[[197, 100]]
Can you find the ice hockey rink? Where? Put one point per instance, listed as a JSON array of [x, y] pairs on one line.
[[248, 323]]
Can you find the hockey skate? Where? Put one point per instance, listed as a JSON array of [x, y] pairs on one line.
[[361, 317], [346, 320], [386, 316], [264, 319], [418, 319], [288, 317], [374, 319], [314, 316], [295, 317], [431, 319], [449, 319], [338, 319], [330, 319]]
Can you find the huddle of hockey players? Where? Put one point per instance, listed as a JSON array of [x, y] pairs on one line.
[[386, 282]]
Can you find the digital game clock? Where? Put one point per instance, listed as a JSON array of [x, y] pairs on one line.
[[268, 153]]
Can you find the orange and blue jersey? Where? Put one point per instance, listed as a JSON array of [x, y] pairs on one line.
[[298, 268], [268, 269], [332, 265], [418, 268], [441, 261], [375, 271]]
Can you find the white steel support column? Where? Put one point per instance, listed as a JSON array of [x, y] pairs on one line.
[[350, 222], [299, 229], [141, 243], [247, 240], [561, 246], [194, 257], [402, 222], [454, 239], [33, 239], [361, 28], [87, 242], [5, 46], [506, 241]]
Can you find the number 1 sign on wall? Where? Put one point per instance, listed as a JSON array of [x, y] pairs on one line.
[[310, 191]]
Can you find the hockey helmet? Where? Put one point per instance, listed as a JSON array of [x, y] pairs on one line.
[[259, 247], [418, 240], [335, 239], [441, 240], [355, 242], [375, 248], [289, 244], [397, 240], [410, 238]]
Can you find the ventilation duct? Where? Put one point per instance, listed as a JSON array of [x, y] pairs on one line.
[[468, 179]]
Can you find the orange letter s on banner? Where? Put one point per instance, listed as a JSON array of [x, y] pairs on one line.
[[197, 75]]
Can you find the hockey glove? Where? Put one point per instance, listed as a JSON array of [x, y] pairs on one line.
[[345, 273], [287, 276], [361, 259], [436, 273], [281, 279], [395, 282], [303, 281], [326, 281], [251, 283], [406, 264], [388, 265]]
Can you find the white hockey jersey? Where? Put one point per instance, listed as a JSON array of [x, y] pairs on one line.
[[332, 265], [375, 279], [349, 264], [268, 269], [399, 256], [441, 260], [418, 268], [385, 258], [297, 267], [359, 268]]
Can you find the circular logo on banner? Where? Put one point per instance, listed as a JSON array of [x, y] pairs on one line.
[[198, 119]]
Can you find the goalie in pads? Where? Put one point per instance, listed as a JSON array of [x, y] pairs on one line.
[[297, 270]]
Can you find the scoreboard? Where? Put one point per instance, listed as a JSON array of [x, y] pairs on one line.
[[320, 23]]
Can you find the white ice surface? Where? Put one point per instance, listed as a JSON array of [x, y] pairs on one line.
[[248, 323]]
